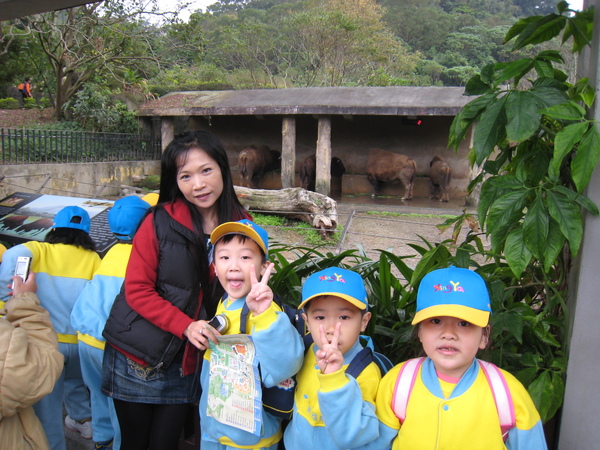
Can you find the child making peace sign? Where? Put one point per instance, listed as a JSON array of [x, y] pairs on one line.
[[240, 258]]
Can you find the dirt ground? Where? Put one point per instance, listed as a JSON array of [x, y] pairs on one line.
[[14, 118]]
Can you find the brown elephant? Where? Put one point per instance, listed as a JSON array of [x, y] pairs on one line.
[[389, 167], [440, 174], [308, 171], [254, 162]]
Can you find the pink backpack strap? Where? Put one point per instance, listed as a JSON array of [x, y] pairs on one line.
[[404, 386], [502, 397]]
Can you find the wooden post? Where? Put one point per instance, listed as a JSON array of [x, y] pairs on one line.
[[167, 131], [196, 123], [288, 152], [323, 176]]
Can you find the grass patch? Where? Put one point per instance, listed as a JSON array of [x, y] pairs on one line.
[[311, 235]]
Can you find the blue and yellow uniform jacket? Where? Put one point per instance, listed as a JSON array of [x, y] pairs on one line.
[[61, 270], [442, 415], [93, 306], [334, 411], [280, 350]]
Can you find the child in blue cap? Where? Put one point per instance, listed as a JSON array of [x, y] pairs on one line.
[[333, 409], [91, 311], [450, 399], [240, 255], [64, 263]]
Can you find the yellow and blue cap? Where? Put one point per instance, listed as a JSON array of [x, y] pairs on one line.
[[246, 228], [338, 282], [453, 292]]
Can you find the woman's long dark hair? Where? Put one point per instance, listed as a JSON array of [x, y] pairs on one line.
[[228, 206]]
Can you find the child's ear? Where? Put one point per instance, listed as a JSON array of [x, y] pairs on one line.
[[306, 322], [365, 321], [485, 338], [263, 267]]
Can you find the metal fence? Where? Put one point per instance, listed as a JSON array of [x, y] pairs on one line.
[[24, 146]]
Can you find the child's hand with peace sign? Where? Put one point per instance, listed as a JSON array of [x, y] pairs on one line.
[[329, 356], [260, 296]]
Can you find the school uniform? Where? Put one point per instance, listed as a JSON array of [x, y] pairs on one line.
[[279, 348], [62, 272], [334, 411], [442, 415], [89, 317]]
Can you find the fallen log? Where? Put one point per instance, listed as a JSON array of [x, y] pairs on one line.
[[318, 210]]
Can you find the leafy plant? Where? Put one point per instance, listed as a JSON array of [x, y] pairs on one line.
[[9, 103], [537, 149]]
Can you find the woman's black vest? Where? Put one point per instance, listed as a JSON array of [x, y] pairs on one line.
[[177, 281]]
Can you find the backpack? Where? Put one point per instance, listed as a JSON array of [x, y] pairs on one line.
[[502, 396], [279, 399]]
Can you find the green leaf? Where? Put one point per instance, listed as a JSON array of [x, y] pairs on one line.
[[563, 143], [490, 130], [581, 200], [509, 321], [535, 227], [586, 159], [548, 96], [522, 116], [519, 26], [550, 55], [550, 82], [476, 86], [512, 70], [542, 392], [505, 213], [565, 111], [544, 68], [516, 252], [554, 245], [568, 217], [541, 30]]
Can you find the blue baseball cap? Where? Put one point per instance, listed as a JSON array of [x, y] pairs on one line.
[[453, 292], [338, 282], [72, 217], [244, 227], [125, 216]]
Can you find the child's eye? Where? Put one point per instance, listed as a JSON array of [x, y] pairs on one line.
[[436, 321], [464, 323], [319, 317], [344, 317]]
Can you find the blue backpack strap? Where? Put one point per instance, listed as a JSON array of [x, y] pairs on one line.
[[360, 362]]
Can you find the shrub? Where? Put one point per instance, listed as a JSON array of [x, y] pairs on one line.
[[9, 103]]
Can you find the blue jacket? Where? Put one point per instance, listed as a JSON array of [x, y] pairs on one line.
[[61, 270], [93, 306], [334, 411], [279, 349]]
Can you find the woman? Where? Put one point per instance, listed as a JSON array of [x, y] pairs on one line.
[[151, 367]]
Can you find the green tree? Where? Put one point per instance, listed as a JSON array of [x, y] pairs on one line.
[[537, 150], [105, 38]]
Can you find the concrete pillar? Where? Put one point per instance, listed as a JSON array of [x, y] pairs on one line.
[[581, 409], [323, 175], [167, 131], [288, 152]]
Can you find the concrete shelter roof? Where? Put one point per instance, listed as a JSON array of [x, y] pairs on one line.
[[395, 100], [11, 9]]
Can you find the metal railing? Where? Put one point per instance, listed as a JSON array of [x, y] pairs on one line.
[[27, 146]]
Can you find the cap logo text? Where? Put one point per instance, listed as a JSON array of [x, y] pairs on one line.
[[452, 287]]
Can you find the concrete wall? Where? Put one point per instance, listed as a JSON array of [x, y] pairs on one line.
[[77, 180], [579, 421]]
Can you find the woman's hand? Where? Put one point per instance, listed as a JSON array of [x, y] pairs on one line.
[[200, 332], [21, 287]]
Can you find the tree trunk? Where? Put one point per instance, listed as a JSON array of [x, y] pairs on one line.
[[316, 209]]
